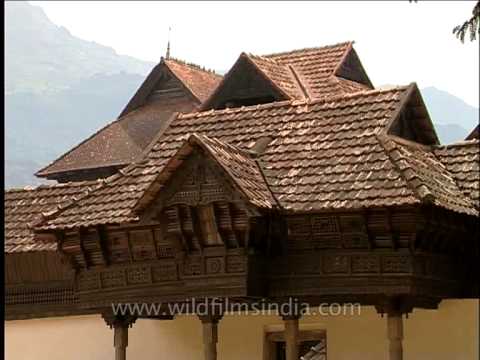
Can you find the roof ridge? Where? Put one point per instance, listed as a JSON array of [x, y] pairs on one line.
[[293, 102], [314, 48], [51, 186], [241, 150], [193, 66], [421, 192], [456, 144]]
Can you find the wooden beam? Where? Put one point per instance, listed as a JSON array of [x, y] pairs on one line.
[[102, 240], [232, 224], [129, 246], [216, 224], [82, 249], [371, 244], [180, 226], [388, 225]]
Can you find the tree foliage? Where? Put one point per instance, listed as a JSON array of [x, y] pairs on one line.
[[470, 26]]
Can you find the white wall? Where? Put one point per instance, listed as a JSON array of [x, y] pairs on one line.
[[449, 333]]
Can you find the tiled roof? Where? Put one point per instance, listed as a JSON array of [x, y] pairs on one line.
[[462, 162], [24, 207], [279, 74], [117, 144], [200, 82], [242, 167], [427, 176], [124, 140], [310, 72], [325, 155], [242, 170]]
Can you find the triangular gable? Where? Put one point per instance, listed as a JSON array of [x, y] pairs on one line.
[[412, 121], [351, 68], [159, 80], [199, 165], [245, 83]]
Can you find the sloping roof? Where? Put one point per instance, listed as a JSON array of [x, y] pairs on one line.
[[117, 144], [122, 141], [475, 134], [242, 169], [325, 155], [24, 207], [200, 82], [427, 176], [462, 160], [315, 69], [310, 73]]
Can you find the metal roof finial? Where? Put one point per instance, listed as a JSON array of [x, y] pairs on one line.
[[167, 55]]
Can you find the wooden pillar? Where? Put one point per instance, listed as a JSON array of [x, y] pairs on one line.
[[120, 341], [395, 336], [395, 307], [291, 337], [210, 335], [120, 325]]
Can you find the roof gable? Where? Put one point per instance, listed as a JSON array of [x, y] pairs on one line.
[[351, 68], [202, 163], [412, 121], [300, 74], [197, 82], [326, 71], [243, 82]]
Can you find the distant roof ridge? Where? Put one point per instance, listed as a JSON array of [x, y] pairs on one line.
[[50, 186], [314, 48], [293, 102], [457, 144], [194, 66], [263, 57], [214, 139]]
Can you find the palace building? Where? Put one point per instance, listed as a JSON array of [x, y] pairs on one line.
[[290, 180]]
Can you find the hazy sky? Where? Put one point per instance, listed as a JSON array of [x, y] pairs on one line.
[[398, 42]]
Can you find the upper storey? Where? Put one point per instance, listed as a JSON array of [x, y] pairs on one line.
[[300, 74], [172, 86]]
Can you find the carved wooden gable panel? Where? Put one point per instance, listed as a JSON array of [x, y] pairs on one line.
[[199, 207]]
